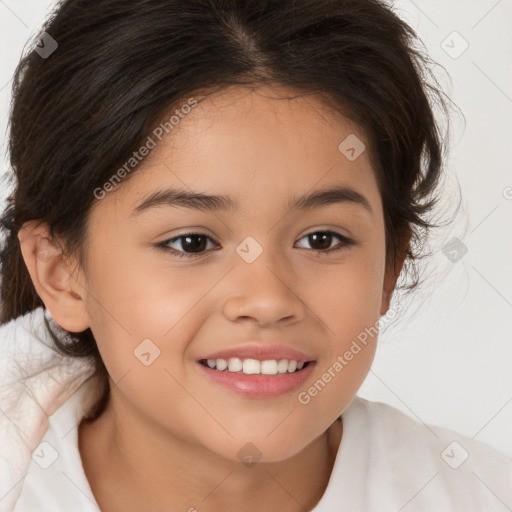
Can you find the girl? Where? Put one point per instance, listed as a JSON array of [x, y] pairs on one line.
[[213, 202]]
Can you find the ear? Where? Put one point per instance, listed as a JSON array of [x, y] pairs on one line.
[[52, 276], [391, 275]]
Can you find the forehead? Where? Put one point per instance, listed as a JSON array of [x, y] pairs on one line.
[[262, 145]]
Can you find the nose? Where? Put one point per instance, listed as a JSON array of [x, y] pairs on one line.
[[263, 292]]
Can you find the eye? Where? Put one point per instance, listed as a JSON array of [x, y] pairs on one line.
[[194, 242], [323, 240]]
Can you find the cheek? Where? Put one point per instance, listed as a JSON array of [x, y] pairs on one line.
[[347, 300], [142, 318], [144, 314], [136, 290], [348, 306], [347, 297]]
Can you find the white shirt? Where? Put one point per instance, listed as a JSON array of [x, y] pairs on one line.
[[386, 461]]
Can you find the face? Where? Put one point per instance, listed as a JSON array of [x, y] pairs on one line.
[[168, 285]]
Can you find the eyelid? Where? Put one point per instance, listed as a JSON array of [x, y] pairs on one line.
[[345, 240], [165, 244]]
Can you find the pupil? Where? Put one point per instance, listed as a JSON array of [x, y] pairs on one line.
[[325, 237], [191, 246]]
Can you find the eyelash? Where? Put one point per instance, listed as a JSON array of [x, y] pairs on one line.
[[346, 242]]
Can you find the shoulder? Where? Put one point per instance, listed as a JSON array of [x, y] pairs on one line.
[[429, 464]]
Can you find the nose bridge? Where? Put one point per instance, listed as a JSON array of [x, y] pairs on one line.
[[261, 285], [262, 263]]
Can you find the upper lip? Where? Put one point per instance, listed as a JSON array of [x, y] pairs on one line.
[[260, 353]]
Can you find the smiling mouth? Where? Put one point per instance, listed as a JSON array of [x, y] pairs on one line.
[[255, 367]]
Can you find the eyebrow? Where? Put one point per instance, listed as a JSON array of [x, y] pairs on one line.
[[195, 200]]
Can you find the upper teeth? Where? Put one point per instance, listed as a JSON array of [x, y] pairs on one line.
[[253, 366]]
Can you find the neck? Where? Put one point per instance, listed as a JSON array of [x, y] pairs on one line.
[[138, 463]]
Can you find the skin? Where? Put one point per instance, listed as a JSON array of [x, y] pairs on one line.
[[169, 437]]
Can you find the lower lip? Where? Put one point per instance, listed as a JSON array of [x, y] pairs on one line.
[[259, 385]]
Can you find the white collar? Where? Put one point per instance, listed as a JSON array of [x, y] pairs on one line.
[[35, 380]]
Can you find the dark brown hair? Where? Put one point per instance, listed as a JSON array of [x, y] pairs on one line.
[[78, 114]]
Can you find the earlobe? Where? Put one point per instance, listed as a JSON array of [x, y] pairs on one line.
[[390, 279], [392, 274], [386, 299], [52, 277]]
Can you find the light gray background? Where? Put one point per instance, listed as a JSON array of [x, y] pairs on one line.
[[447, 360]]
